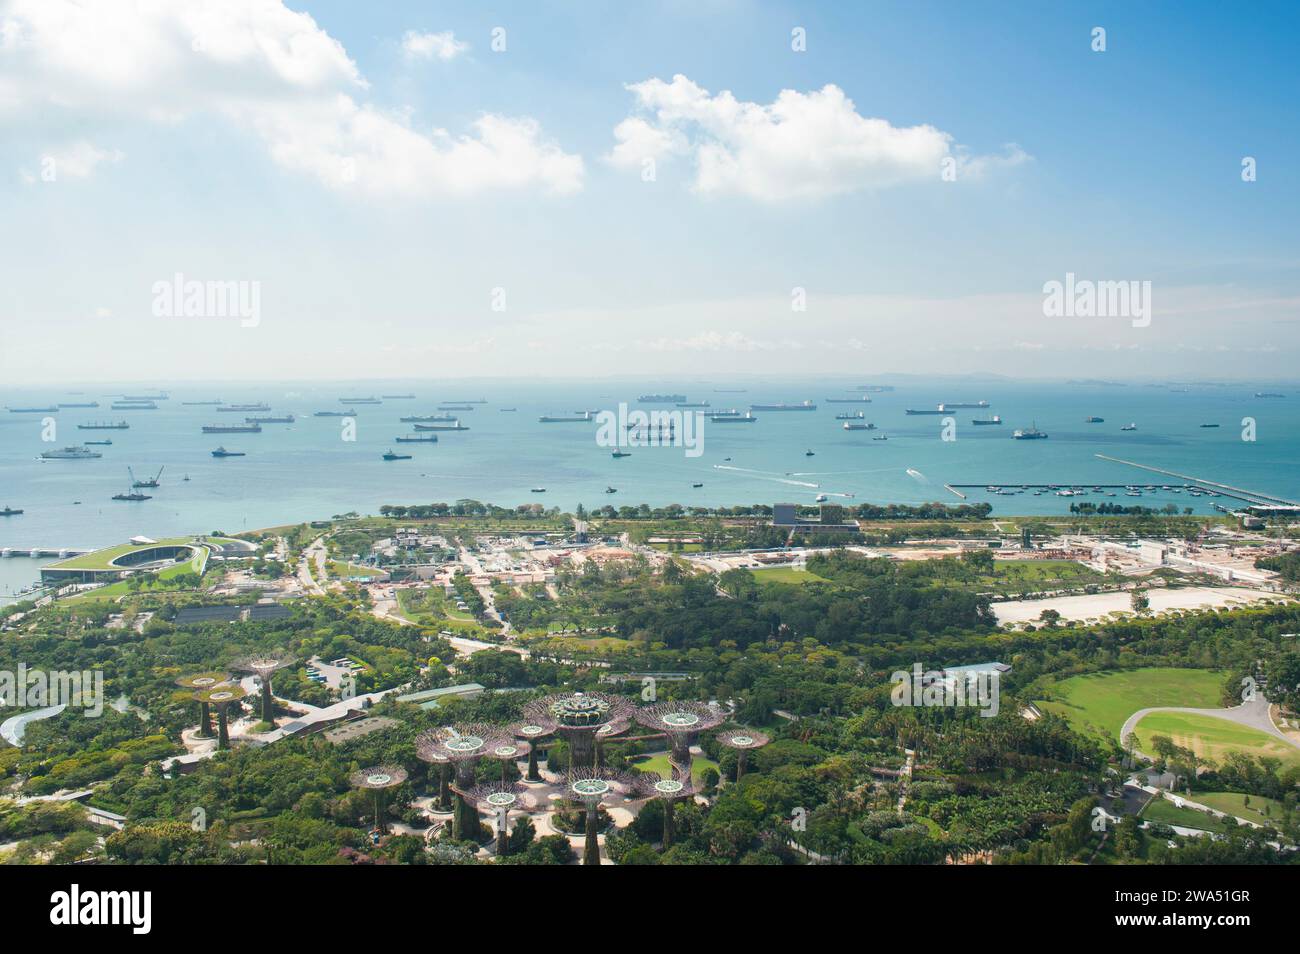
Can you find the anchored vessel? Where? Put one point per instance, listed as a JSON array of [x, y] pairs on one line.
[[417, 439], [662, 398], [244, 409], [564, 418], [746, 418], [286, 419], [453, 426], [986, 421], [232, 429], [104, 426], [802, 406], [222, 452], [858, 426], [1031, 433], [392, 455]]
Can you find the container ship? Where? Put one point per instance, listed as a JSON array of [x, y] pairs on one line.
[[986, 421], [858, 426], [802, 406], [451, 426], [286, 419], [74, 452], [104, 426], [244, 409], [564, 418], [232, 428], [426, 418], [222, 452], [662, 399]]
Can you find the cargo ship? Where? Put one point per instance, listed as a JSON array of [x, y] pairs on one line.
[[453, 426], [244, 409], [946, 407], [662, 399], [467, 401], [1031, 433], [617, 454], [104, 426], [360, 400], [9, 512], [417, 439], [858, 426], [335, 414], [1094, 420], [232, 428], [132, 495], [397, 397], [81, 404], [1258, 394], [746, 418], [33, 410], [564, 419], [693, 404], [455, 407], [286, 419], [159, 396], [986, 421], [393, 455], [849, 400], [850, 416], [1209, 425], [222, 452], [74, 452], [99, 443], [427, 418], [949, 405], [924, 410], [202, 403], [134, 406], [802, 406]]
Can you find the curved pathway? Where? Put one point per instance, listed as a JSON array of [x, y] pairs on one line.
[[1253, 715]]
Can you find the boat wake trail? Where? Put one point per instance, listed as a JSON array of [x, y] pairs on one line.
[[917, 476], [767, 475]]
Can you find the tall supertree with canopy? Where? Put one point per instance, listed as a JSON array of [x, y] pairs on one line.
[[501, 798], [379, 778], [533, 734], [590, 786], [462, 746], [577, 718], [682, 722], [742, 740], [506, 753], [669, 791], [222, 696], [200, 682], [262, 666]]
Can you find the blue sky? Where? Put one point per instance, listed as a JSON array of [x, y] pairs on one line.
[[242, 142]]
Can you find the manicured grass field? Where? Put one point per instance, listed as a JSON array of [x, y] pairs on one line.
[[342, 570], [659, 763], [1212, 738], [1163, 810], [1098, 704], [786, 574], [1234, 803]]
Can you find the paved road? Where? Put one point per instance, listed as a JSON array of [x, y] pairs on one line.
[[1252, 714]]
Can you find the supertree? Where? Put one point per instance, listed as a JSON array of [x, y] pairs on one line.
[[501, 798], [508, 752], [462, 746], [379, 778], [590, 786], [668, 791], [742, 740], [682, 722], [222, 696], [200, 682], [533, 734], [262, 666], [577, 718]]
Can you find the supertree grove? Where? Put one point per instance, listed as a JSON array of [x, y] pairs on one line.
[[590, 786], [578, 718], [668, 791], [462, 746], [682, 723], [263, 666], [501, 798], [200, 682], [222, 696], [379, 778]]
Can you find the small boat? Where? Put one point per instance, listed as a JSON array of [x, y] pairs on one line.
[[809, 453], [391, 455], [186, 478], [538, 490], [697, 485], [9, 512], [820, 498], [1209, 425], [611, 490], [618, 454], [132, 495], [1129, 427], [222, 452], [1094, 420], [882, 437], [507, 410]]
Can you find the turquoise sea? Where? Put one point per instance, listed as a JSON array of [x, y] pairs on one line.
[[306, 470]]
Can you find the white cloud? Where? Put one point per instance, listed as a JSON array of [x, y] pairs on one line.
[[271, 71], [427, 46], [802, 145]]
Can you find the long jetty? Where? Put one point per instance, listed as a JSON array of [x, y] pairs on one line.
[[1250, 496]]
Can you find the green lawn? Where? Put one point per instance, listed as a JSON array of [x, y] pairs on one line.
[[786, 574], [1212, 738], [659, 763], [1234, 803], [102, 559], [343, 570], [1163, 810], [1098, 704]]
